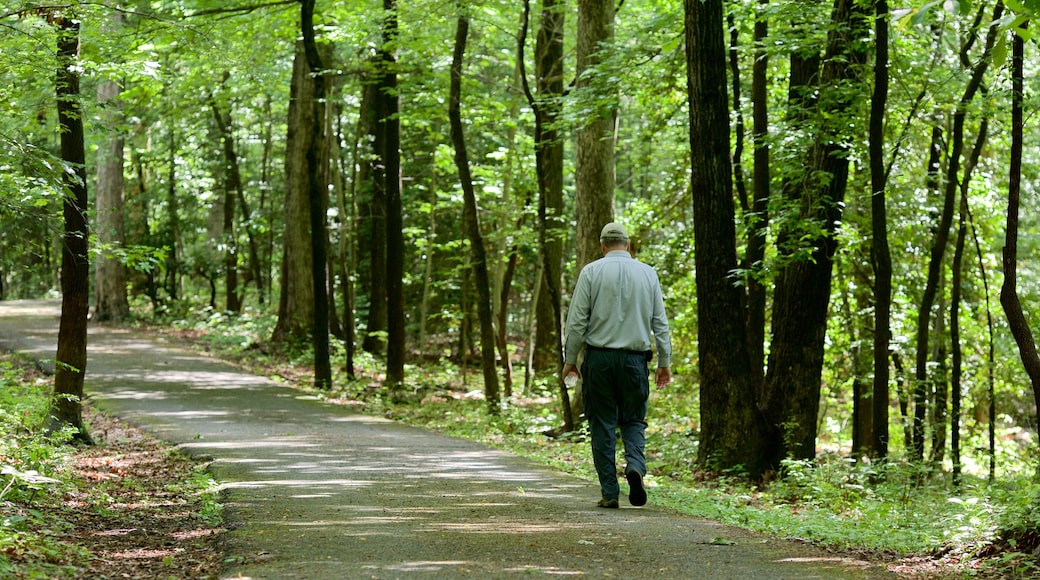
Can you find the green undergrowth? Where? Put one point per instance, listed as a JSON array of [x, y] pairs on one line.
[[893, 511], [31, 463], [50, 492]]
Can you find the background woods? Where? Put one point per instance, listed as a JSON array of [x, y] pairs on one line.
[[399, 183]]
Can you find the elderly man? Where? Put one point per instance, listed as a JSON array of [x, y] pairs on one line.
[[616, 310]]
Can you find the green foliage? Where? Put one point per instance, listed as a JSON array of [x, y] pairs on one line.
[[29, 455]]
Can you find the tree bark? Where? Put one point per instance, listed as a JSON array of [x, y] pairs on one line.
[[296, 303], [1009, 291], [372, 208], [396, 340], [232, 190], [942, 235], [549, 166], [758, 221], [316, 193], [71, 358], [732, 431], [110, 302], [472, 223], [880, 254], [549, 169], [802, 291], [594, 150]]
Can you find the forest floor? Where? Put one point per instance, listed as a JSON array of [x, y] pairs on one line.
[[149, 528], [313, 490]]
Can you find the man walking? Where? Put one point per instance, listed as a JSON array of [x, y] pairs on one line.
[[616, 309]]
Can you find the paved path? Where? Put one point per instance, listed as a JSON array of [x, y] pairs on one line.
[[316, 491]]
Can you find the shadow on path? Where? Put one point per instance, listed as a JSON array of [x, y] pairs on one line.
[[316, 491]]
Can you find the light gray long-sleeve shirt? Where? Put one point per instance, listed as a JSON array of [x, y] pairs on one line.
[[618, 304]]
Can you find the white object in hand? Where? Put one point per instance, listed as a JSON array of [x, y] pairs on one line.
[[570, 380]]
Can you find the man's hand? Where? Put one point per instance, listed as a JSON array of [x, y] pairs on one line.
[[664, 376], [570, 369]]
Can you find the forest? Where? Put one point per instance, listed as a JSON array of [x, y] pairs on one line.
[[838, 197]]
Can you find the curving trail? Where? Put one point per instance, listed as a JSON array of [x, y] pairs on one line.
[[316, 491]]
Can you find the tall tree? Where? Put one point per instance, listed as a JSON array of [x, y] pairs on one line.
[[732, 431], [71, 358], [296, 304], [1009, 298], [594, 148], [802, 292], [472, 220], [548, 148], [316, 203], [110, 271], [758, 221], [372, 207], [594, 168], [232, 191], [880, 254], [922, 381], [391, 128]]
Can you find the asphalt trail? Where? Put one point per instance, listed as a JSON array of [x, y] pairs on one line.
[[315, 491]]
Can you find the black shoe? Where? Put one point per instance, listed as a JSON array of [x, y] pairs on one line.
[[636, 493], [608, 503]]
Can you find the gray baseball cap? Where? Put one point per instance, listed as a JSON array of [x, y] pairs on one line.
[[613, 231]]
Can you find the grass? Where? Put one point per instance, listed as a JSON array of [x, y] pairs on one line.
[[910, 517], [70, 511]]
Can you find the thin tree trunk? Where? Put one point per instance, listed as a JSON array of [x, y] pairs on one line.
[[71, 357], [1009, 291], [472, 221], [880, 253], [396, 347], [942, 235], [347, 246], [236, 192], [757, 222], [232, 190], [316, 203], [173, 265], [549, 169]]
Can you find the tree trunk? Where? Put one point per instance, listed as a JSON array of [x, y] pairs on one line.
[[549, 168], [173, 263], [594, 151], [1009, 291], [942, 236], [880, 254], [758, 222], [373, 214], [732, 431], [396, 340], [955, 339], [316, 193], [296, 304], [802, 291], [594, 171], [71, 358], [472, 224], [232, 190], [110, 302], [235, 196]]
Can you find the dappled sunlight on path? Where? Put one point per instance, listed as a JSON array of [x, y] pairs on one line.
[[313, 490]]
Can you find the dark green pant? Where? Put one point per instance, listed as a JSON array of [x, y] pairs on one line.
[[615, 388]]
